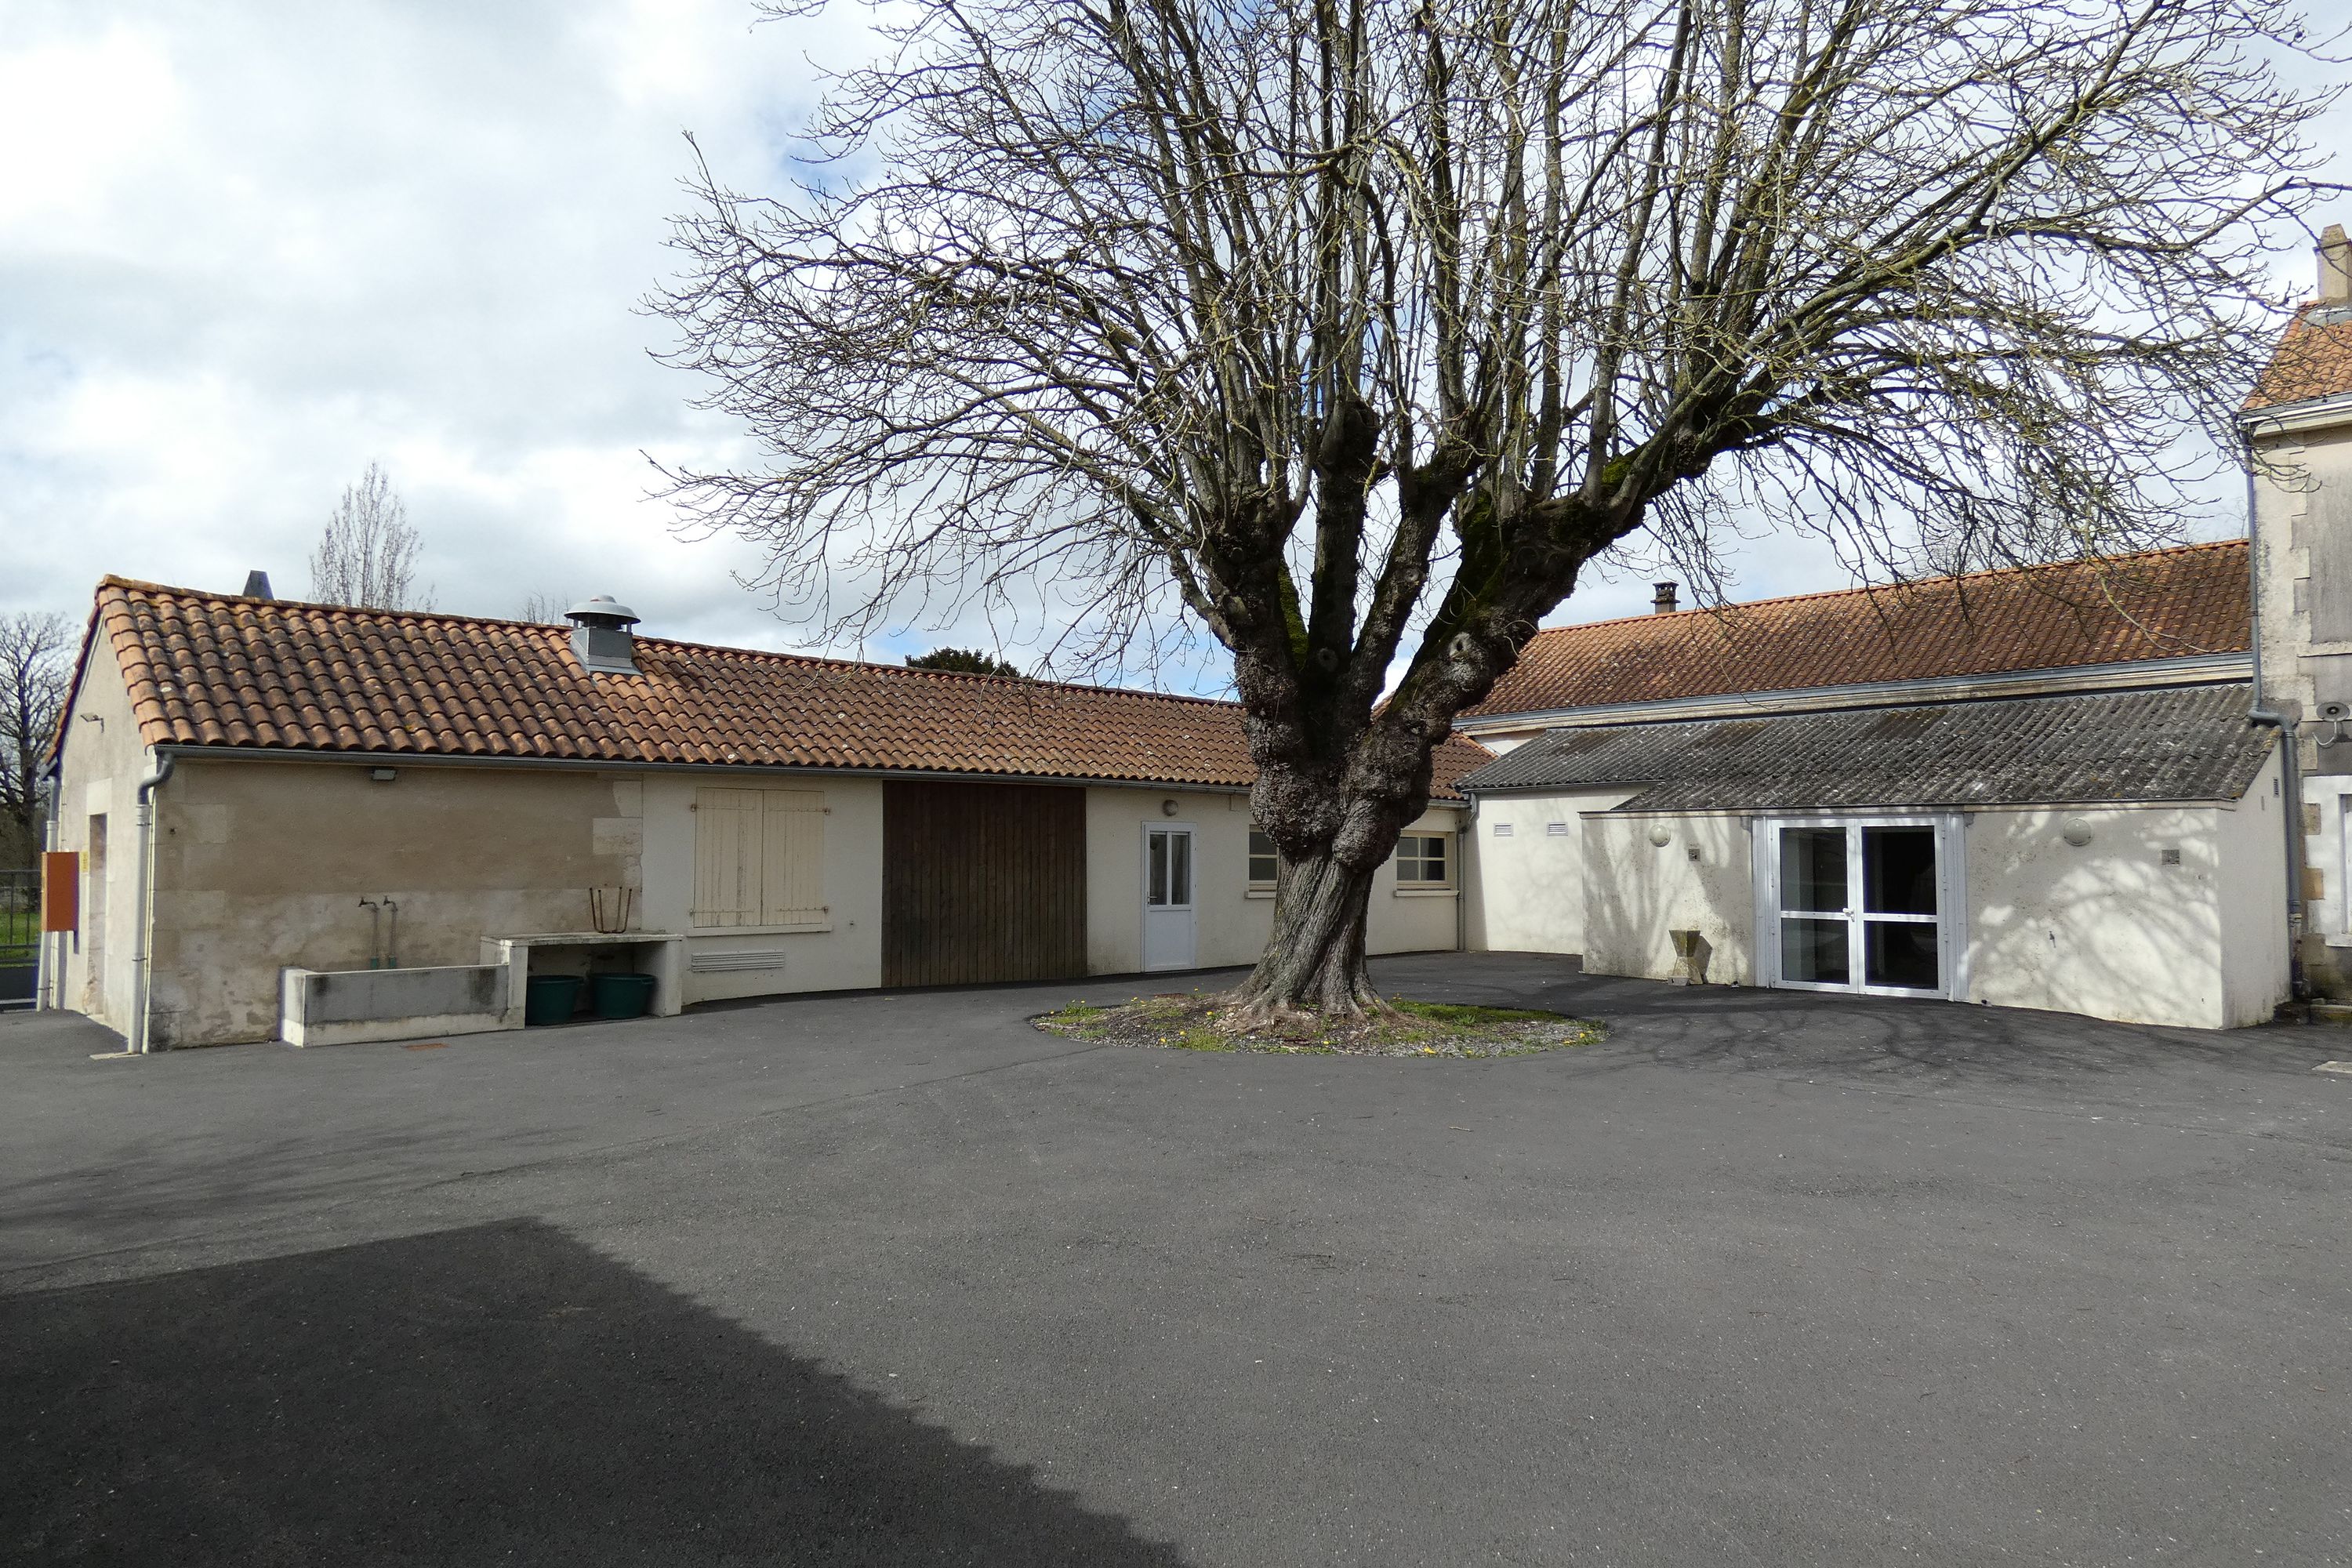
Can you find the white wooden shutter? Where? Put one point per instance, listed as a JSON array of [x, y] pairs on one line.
[[727, 855], [792, 857]]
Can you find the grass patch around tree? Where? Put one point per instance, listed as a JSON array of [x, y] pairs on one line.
[[1197, 1021]]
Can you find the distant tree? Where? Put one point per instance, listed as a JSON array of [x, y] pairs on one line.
[[366, 557], [967, 661], [35, 654], [547, 609]]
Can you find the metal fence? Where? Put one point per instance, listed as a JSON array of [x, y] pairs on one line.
[[20, 925]]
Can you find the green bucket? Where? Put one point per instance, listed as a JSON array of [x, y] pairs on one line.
[[550, 998], [621, 995]]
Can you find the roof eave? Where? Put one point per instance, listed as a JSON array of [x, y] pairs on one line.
[[2303, 414], [198, 752], [2187, 669]]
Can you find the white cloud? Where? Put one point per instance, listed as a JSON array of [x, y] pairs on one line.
[[248, 249], [244, 249]]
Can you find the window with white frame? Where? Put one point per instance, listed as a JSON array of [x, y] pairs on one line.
[[1264, 861], [1423, 861], [759, 858]]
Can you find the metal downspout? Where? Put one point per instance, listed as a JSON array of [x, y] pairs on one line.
[[1461, 874], [49, 984], [141, 938], [2291, 783]]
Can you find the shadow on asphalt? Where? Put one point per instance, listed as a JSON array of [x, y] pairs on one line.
[[1750, 1029], [492, 1393]]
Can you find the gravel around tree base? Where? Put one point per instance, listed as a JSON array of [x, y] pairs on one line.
[[1196, 1021]]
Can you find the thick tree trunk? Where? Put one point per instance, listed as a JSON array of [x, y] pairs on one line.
[[1313, 966]]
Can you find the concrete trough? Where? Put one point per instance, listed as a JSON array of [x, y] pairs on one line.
[[344, 1006]]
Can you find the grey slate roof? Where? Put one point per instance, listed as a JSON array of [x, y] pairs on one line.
[[2183, 744]]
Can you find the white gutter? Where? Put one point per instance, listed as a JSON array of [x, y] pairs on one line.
[[142, 936], [766, 770], [2286, 418]]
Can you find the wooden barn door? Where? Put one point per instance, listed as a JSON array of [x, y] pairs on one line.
[[983, 881]]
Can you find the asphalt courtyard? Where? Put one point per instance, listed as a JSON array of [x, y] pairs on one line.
[[894, 1279]]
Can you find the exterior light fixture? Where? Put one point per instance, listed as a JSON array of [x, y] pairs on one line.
[[383, 775], [1167, 808], [2075, 830], [1660, 834]]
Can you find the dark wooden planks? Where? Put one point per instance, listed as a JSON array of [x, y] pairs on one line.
[[981, 882]]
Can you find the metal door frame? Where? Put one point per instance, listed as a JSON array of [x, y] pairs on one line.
[[1192, 908], [1951, 911]]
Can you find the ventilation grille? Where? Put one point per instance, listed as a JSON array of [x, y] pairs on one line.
[[733, 963]]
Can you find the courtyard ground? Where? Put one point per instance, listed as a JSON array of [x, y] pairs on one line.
[[891, 1279]]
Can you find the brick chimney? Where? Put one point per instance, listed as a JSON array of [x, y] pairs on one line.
[[1662, 601]]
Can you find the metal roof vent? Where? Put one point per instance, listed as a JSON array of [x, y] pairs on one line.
[[601, 639], [256, 585]]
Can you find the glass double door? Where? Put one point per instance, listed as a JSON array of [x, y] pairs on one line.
[[1860, 907]]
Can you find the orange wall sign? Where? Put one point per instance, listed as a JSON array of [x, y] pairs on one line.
[[61, 889]]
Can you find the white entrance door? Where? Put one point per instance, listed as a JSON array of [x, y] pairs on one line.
[[1861, 906], [1169, 936]]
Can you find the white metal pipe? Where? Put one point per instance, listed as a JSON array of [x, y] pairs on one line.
[[2290, 773], [141, 938], [49, 984]]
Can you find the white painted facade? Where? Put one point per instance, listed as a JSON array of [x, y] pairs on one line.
[[1526, 869], [260, 866], [2303, 561], [2113, 926]]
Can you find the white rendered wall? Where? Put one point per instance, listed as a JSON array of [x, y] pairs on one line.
[[2254, 879], [2303, 509], [1232, 923], [2107, 928], [2303, 541], [847, 955], [1527, 886], [1229, 926], [1419, 919], [104, 758], [1637, 892]]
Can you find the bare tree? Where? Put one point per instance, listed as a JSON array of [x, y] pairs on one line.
[[35, 655], [366, 556], [546, 609], [1357, 329]]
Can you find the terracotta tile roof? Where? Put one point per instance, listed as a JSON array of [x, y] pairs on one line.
[[209, 669], [2313, 358], [2156, 604]]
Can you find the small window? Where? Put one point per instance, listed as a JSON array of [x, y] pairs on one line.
[[1265, 860], [1421, 861]]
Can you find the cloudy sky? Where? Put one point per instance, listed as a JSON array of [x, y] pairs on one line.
[[246, 248]]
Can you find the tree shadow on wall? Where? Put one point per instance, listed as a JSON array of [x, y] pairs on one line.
[[498, 1393]]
